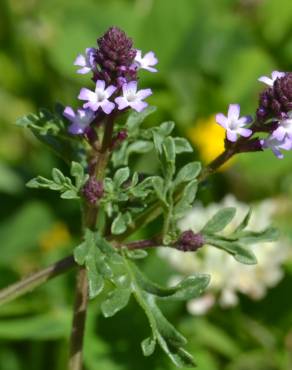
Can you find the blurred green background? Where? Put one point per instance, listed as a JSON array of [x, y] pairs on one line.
[[211, 53]]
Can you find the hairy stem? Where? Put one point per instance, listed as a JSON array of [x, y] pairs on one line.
[[34, 280], [90, 214], [79, 319]]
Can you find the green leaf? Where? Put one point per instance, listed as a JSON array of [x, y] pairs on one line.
[[136, 254], [70, 194], [119, 224], [220, 220], [182, 145], [117, 299], [135, 119], [163, 333], [77, 171], [168, 158], [165, 128], [188, 173], [159, 187], [121, 176], [187, 198], [58, 177], [240, 253], [244, 222], [148, 346], [252, 237]]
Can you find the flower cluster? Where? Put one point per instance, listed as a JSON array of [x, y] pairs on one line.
[[114, 65], [228, 276], [274, 116]]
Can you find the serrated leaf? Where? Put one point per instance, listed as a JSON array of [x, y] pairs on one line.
[[116, 301], [188, 173], [121, 176], [182, 145], [220, 220]]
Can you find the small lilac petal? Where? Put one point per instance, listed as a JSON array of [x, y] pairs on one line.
[[151, 58], [279, 133], [107, 106], [287, 144], [86, 94], [266, 80], [231, 136], [277, 74], [221, 120], [100, 85], [76, 129], [69, 113], [144, 93], [138, 54], [130, 87], [277, 153], [80, 61], [138, 106], [110, 90], [83, 70], [122, 102], [246, 132], [233, 111]]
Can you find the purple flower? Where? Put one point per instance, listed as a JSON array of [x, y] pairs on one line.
[[87, 62], [276, 145], [233, 124], [80, 120], [270, 81], [99, 97], [133, 98], [284, 129], [147, 62]]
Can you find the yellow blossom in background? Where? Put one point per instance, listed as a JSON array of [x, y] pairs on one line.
[[208, 137], [57, 236]]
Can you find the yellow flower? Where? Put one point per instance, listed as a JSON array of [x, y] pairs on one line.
[[57, 236], [208, 137]]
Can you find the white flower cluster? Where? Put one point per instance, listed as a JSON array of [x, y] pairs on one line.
[[229, 277]]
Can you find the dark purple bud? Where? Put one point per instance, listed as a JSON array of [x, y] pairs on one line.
[[189, 241], [93, 190], [276, 101], [119, 138], [114, 57]]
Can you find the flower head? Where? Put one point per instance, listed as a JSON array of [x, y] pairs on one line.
[[87, 62], [270, 81], [276, 101], [115, 57], [81, 120], [233, 124], [98, 98], [133, 98], [147, 62], [276, 145]]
